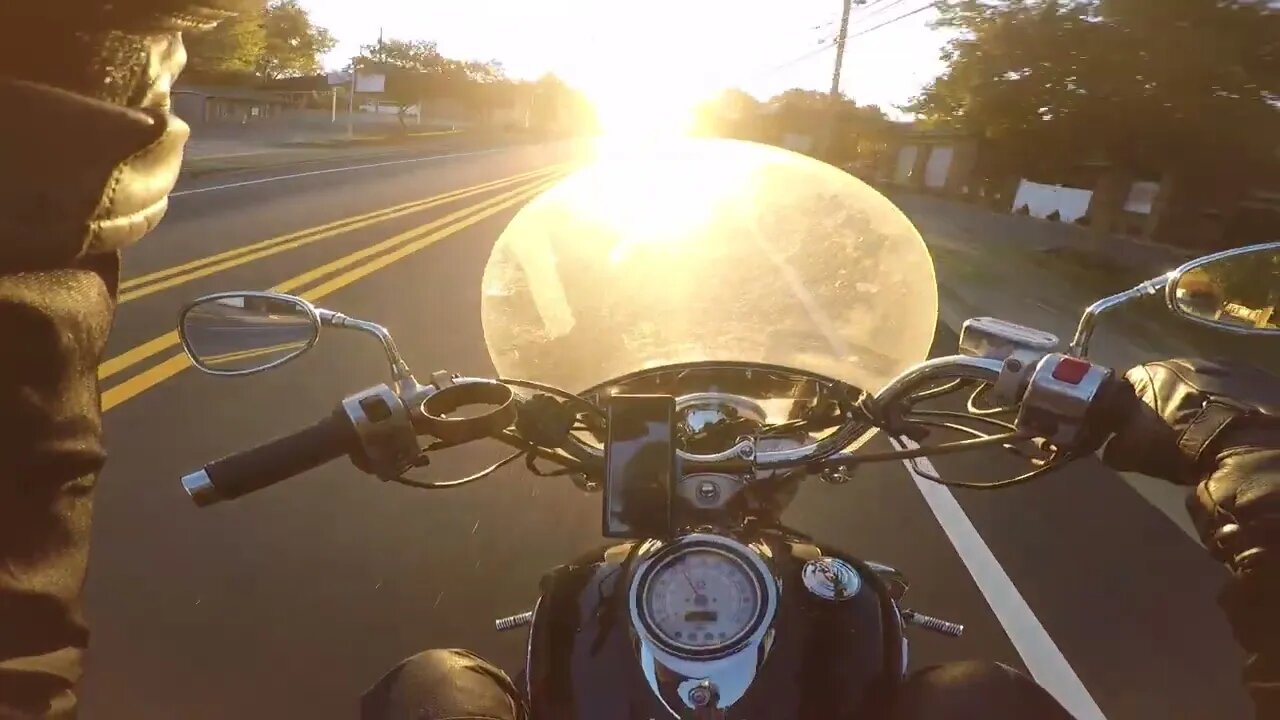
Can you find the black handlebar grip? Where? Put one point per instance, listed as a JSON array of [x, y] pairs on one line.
[[273, 461]]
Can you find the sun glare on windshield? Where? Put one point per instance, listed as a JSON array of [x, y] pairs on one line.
[[625, 114], [708, 249]]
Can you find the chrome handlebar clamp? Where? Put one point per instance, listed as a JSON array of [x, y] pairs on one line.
[[1018, 347]]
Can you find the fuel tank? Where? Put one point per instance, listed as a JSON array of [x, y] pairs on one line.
[[825, 659]]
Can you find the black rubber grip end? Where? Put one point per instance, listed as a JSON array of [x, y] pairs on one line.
[[273, 461]]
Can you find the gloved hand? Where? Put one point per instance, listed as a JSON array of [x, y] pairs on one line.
[[1217, 426]]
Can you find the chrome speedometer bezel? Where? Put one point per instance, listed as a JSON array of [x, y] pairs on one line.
[[764, 585]]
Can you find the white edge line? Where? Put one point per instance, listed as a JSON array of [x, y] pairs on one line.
[[1038, 651], [1043, 658], [277, 178]]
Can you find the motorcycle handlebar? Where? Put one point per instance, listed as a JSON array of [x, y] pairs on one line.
[[280, 459], [329, 439], [742, 454]]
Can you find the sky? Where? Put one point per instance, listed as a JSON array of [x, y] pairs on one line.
[[661, 51]]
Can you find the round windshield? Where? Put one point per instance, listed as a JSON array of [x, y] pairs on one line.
[[708, 249]]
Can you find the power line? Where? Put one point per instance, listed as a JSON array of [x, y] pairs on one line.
[[831, 42], [823, 46], [881, 8], [869, 5], [903, 16]]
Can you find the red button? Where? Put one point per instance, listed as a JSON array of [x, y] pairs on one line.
[[1071, 370]]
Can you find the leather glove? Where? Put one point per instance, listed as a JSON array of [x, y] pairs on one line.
[[1217, 425]]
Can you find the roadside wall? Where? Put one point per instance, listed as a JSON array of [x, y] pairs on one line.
[[1042, 200], [996, 232]]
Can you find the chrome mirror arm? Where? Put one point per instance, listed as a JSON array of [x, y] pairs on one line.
[[1089, 320], [405, 383]]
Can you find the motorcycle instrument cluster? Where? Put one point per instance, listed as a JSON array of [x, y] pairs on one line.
[[701, 600]]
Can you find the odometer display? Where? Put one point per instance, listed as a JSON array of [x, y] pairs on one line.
[[702, 599]]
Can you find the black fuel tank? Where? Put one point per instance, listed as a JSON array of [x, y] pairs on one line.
[[828, 659]]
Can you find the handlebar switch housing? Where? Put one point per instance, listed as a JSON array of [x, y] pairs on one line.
[[1020, 348], [388, 443], [1058, 397]]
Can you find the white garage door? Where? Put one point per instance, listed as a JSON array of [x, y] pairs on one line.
[[906, 161], [935, 171]]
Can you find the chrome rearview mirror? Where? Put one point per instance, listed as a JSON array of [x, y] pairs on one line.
[[238, 333], [1236, 290]]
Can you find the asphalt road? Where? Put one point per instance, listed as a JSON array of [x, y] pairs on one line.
[[290, 602]]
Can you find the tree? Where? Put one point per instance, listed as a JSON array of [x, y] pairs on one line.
[[229, 52], [807, 112], [730, 113], [294, 44], [278, 41], [558, 108], [481, 86], [413, 70], [418, 55], [1186, 83]]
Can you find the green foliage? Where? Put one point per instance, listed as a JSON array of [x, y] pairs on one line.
[[230, 50], [416, 70], [416, 55], [294, 44], [1194, 83], [276, 41]]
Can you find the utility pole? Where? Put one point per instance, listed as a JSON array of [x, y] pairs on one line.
[[828, 135], [351, 101]]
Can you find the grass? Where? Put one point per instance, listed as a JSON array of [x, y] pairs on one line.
[[197, 167], [297, 153]]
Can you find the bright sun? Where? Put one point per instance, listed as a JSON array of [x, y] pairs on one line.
[[638, 110]]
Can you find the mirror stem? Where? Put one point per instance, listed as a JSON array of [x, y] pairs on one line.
[[1080, 343], [400, 372]]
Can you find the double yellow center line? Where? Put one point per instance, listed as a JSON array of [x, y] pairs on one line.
[[144, 285], [253, 353], [365, 262]]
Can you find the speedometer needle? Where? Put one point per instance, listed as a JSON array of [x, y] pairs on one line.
[[692, 587]]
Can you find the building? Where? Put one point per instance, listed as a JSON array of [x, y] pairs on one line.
[[304, 91], [1185, 210], [1176, 209], [934, 160], [200, 105]]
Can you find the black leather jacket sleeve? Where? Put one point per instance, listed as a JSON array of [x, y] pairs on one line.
[[1251, 598], [80, 178]]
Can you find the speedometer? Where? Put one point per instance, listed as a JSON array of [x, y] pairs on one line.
[[701, 600]]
